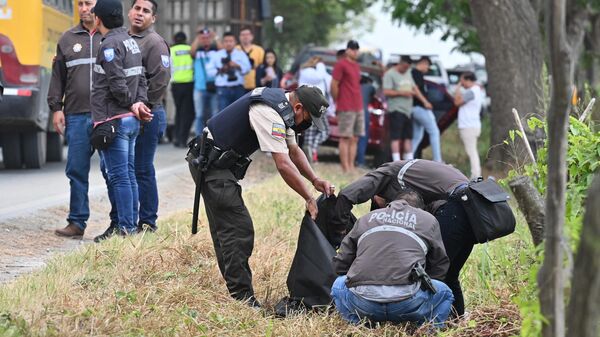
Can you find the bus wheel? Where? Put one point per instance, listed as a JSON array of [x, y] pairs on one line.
[[11, 150], [34, 149], [54, 147]]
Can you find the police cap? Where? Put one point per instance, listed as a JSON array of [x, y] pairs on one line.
[[108, 10], [315, 103]]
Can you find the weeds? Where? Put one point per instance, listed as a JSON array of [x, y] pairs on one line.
[[168, 284]]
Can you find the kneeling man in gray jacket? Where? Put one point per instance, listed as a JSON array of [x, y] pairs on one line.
[[390, 265]]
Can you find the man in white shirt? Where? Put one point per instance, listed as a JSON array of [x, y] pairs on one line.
[[469, 100], [228, 66]]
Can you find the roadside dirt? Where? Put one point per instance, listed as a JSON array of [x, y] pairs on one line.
[[27, 242]]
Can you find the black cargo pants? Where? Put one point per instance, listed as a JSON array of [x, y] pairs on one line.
[[231, 230], [458, 239]]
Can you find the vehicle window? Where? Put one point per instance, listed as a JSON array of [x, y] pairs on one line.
[[453, 78], [434, 70]]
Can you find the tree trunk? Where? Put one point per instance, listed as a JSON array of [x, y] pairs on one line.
[[551, 275], [531, 204], [511, 42], [584, 305]]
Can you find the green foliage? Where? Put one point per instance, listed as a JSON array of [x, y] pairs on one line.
[[13, 326], [583, 161], [452, 17], [308, 21]]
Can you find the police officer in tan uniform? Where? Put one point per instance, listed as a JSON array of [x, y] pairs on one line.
[[265, 119]]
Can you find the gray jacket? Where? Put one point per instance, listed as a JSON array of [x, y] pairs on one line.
[[72, 71], [433, 180], [156, 59], [385, 245], [119, 79]]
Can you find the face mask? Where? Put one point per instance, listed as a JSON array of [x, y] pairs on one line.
[[302, 126]]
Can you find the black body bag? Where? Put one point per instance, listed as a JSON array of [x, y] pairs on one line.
[[104, 134], [312, 274], [486, 205]]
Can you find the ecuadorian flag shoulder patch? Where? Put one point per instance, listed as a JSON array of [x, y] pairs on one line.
[[278, 130]]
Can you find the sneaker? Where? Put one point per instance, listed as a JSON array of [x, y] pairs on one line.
[[252, 302], [109, 232], [70, 231]]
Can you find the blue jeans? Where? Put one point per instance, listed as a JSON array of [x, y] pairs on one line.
[[118, 167], [228, 95], [205, 104], [422, 307], [78, 131], [145, 148], [363, 141], [424, 120]]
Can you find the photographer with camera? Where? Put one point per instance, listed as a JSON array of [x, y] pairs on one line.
[[380, 263], [228, 66]]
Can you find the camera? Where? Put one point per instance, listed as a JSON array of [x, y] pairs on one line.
[[226, 69]]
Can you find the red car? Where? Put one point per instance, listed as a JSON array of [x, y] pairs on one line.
[[379, 142]]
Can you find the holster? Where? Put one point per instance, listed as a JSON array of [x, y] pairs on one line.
[[204, 154]]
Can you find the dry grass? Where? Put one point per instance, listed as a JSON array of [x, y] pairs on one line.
[[168, 284]]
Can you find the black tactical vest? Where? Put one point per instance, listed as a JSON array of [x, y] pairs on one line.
[[231, 129]]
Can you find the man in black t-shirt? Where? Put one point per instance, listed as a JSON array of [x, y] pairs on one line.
[[423, 118]]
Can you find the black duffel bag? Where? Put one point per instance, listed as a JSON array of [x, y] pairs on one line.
[[104, 134], [487, 208]]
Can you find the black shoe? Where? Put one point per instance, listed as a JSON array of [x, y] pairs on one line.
[[109, 232], [289, 307]]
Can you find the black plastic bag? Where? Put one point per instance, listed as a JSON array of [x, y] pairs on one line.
[[311, 273]]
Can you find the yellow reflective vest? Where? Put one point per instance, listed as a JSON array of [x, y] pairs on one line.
[[183, 64]]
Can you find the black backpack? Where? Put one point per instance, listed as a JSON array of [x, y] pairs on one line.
[[487, 208]]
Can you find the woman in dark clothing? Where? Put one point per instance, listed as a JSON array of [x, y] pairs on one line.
[[269, 74]]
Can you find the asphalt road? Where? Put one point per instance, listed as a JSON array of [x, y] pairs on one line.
[[25, 191]]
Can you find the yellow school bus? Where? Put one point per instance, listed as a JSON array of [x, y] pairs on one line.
[[29, 32]]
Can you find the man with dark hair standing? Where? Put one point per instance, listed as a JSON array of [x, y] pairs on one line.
[[399, 89], [205, 92], [441, 187], [182, 88], [469, 98], [156, 62], [255, 53], [423, 119], [265, 119], [228, 66], [118, 97], [345, 89], [69, 100]]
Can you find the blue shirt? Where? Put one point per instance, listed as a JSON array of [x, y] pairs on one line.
[[201, 62], [215, 64]]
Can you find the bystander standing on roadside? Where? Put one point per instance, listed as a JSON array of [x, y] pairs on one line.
[[255, 53], [268, 74], [69, 101], [399, 89], [228, 66], [345, 89], [368, 91], [313, 72], [423, 119], [182, 87], [205, 91], [469, 99], [118, 95]]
